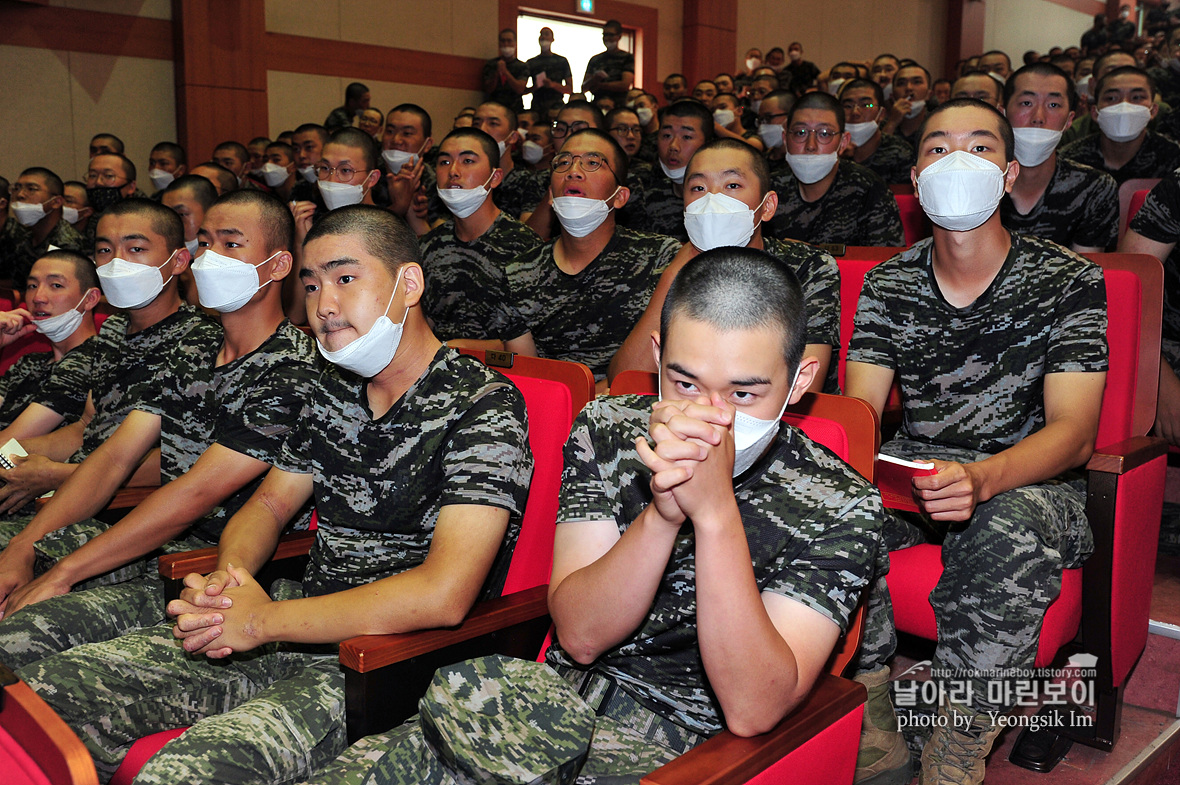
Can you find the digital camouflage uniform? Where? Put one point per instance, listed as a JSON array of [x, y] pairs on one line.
[[63, 236], [60, 386], [659, 208], [1156, 158], [649, 149], [892, 160], [858, 209], [615, 64], [457, 436], [521, 191], [1159, 220], [466, 283], [1080, 206], [813, 528], [248, 406], [556, 69], [586, 317], [338, 118], [819, 277], [972, 385], [13, 237], [503, 92]]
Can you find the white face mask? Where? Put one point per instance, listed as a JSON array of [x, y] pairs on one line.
[[340, 194], [226, 284], [723, 117], [1124, 121], [644, 114], [916, 108], [717, 220], [835, 85], [753, 62], [58, 328], [1083, 85], [887, 89], [861, 132], [28, 214], [1035, 145], [193, 246], [462, 202], [308, 173], [70, 214], [960, 190], [160, 178], [274, 174], [369, 354], [772, 134], [811, 168], [507, 52], [130, 285], [503, 148], [258, 172], [580, 215], [675, 175], [531, 151], [396, 159]]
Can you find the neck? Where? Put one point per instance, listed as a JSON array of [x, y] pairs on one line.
[[506, 163], [812, 192], [42, 228], [574, 254], [1033, 180], [414, 355], [965, 263], [911, 124], [1117, 154], [85, 331], [284, 191], [474, 225], [165, 304], [866, 150], [251, 325]]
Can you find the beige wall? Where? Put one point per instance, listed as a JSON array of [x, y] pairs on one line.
[[55, 101], [1015, 26], [846, 30]]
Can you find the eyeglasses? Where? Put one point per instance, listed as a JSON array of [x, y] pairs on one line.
[[865, 104], [822, 135], [627, 130], [105, 179], [763, 119], [563, 129], [590, 162], [346, 172]]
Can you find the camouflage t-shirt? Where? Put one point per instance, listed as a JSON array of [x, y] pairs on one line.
[[973, 377], [248, 406], [892, 160], [60, 386], [63, 236], [586, 317], [521, 191], [858, 209], [129, 369], [661, 208], [466, 284], [1155, 158], [614, 63], [819, 276], [1080, 205], [1159, 220], [459, 435], [813, 528]]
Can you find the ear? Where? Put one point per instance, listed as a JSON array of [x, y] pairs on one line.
[[281, 266], [1155, 109], [91, 299], [655, 348], [769, 205], [181, 171], [1010, 177], [845, 140], [1094, 112], [55, 202], [621, 197], [808, 367], [914, 178], [181, 261], [129, 188], [1069, 121], [371, 179], [497, 178], [414, 282]]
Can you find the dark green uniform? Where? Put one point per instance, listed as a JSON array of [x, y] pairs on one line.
[[1159, 220], [819, 276], [858, 209], [61, 386], [1080, 205], [1156, 158], [892, 160]]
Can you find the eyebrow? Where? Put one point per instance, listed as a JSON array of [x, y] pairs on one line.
[[229, 233], [943, 134], [343, 261]]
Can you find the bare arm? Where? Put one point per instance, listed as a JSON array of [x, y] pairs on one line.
[[57, 445], [522, 345], [870, 383], [35, 420], [1133, 242], [1076, 248]]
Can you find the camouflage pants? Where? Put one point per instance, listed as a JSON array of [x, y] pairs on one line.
[[999, 576], [267, 716], [10, 526]]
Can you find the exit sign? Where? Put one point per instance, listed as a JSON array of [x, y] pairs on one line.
[[586, 6]]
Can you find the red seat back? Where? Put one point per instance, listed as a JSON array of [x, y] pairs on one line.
[[1137, 200], [35, 745], [913, 218], [1127, 192]]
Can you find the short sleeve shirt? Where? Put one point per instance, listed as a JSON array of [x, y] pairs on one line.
[[521, 191], [60, 386], [556, 69], [586, 317], [662, 209], [615, 64], [1080, 205], [467, 293], [503, 92], [819, 276], [812, 525], [249, 406], [973, 377], [1159, 220], [858, 209], [892, 160], [131, 369], [459, 435], [1156, 157]]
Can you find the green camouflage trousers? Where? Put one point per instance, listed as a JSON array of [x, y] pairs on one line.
[[272, 715], [999, 576]]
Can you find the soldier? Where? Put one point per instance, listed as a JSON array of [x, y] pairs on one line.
[[577, 297], [822, 199], [706, 559], [684, 127], [417, 458], [464, 260], [888, 155], [220, 411], [998, 341]]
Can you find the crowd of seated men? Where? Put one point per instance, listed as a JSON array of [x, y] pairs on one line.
[[707, 558]]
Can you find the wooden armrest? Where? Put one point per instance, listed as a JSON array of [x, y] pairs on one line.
[[727, 758], [56, 749], [124, 498], [175, 566], [1126, 455], [385, 675]]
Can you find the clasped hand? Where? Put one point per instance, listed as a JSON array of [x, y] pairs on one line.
[[217, 614]]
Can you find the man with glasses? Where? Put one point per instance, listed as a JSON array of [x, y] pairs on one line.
[[610, 73], [684, 127], [773, 110], [575, 116], [37, 202], [822, 199], [886, 154], [109, 179], [577, 297]]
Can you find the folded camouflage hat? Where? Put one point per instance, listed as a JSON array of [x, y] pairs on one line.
[[502, 720]]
